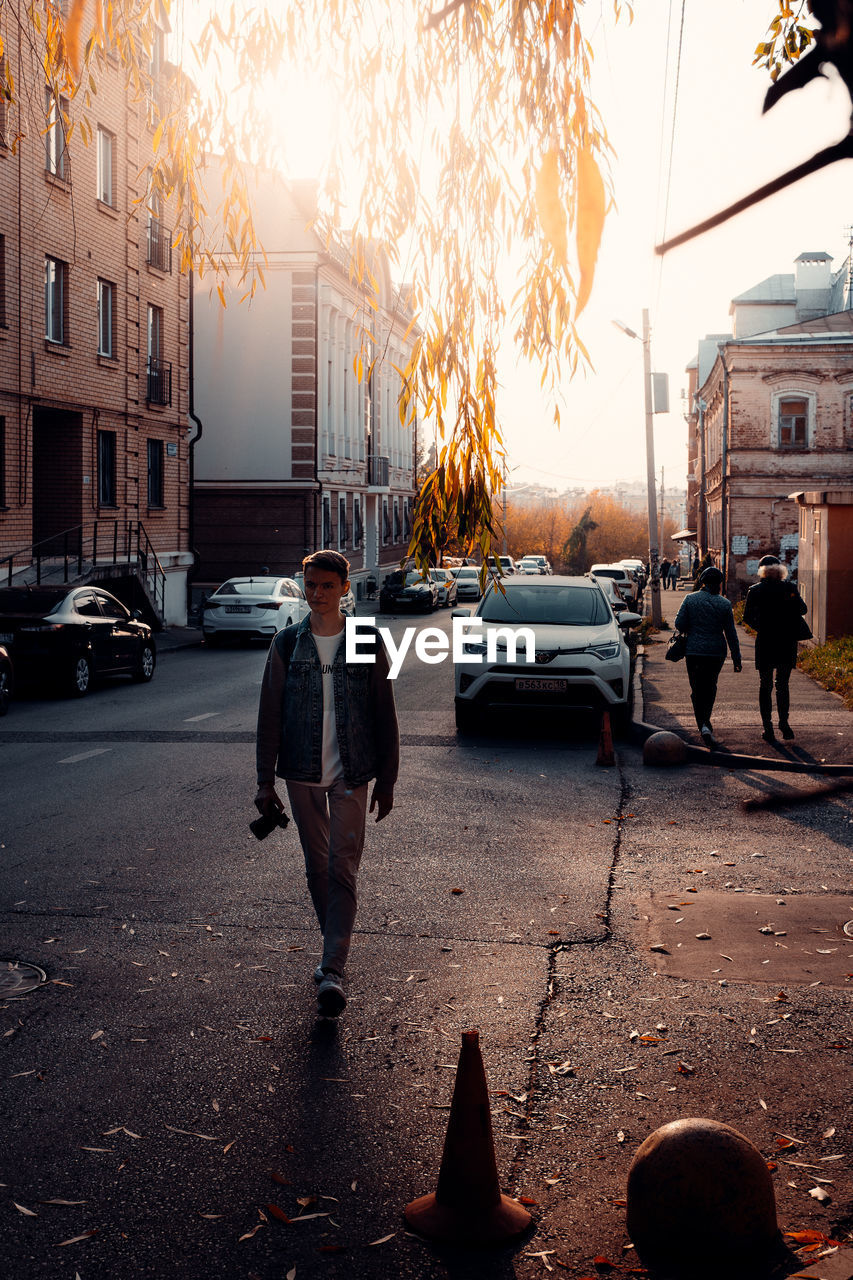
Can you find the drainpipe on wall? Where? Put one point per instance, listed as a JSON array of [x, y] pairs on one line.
[[193, 442], [702, 519], [724, 488], [318, 488]]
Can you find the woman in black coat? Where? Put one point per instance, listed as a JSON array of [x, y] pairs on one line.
[[774, 609]]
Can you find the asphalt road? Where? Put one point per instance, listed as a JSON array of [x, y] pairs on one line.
[[171, 1078]]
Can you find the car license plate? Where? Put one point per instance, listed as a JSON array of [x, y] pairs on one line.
[[6, 637], [529, 685], [238, 608]]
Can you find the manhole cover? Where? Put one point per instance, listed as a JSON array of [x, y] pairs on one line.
[[17, 978]]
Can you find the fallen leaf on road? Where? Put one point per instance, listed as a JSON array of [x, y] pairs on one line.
[[818, 1193], [685, 1069], [189, 1133], [62, 1201], [278, 1214], [457, 890], [829, 1133], [255, 1229], [383, 1239], [76, 1239], [29, 1212]]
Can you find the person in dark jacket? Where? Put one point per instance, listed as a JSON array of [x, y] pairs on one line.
[[663, 569], [774, 609], [707, 620], [327, 726]]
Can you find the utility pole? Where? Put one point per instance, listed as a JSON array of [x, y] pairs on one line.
[[660, 514], [654, 546]]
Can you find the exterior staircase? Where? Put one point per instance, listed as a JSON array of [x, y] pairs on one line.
[[117, 555]]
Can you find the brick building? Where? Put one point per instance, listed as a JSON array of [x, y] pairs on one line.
[[771, 412], [93, 336], [296, 453]]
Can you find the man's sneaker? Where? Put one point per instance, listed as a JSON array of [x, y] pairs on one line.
[[331, 1000], [768, 735], [319, 974], [708, 738], [786, 731]]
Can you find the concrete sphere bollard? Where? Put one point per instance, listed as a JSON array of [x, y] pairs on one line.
[[664, 748], [701, 1203]]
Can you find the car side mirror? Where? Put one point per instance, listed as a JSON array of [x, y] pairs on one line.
[[460, 613], [136, 614], [629, 619]]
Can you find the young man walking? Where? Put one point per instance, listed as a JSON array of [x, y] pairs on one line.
[[774, 608], [327, 727]]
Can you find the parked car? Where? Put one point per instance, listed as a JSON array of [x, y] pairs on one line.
[[543, 562], [639, 569], [252, 608], [408, 590], [620, 575], [468, 583], [615, 599], [507, 564], [528, 565], [582, 659], [347, 599], [445, 580], [7, 679], [72, 634]]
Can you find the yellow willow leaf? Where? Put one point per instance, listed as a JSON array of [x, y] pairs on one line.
[[549, 206], [590, 221], [72, 34]]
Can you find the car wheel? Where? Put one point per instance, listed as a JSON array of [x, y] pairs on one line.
[[144, 669], [81, 676], [5, 689], [468, 719]]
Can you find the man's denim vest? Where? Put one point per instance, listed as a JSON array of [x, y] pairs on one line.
[[301, 749]]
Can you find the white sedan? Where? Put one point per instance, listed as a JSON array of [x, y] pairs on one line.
[[252, 608], [579, 659]]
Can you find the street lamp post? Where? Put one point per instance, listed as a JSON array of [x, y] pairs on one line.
[[654, 551]]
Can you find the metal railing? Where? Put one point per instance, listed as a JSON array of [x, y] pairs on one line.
[[75, 554], [159, 245], [159, 382], [377, 470]]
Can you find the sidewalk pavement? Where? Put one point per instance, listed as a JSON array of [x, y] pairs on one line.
[[820, 720]]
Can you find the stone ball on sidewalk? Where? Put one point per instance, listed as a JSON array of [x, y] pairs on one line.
[[701, 1203], [664, 748]]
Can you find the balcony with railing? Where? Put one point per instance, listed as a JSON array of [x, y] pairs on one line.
[[377, 471], [159, 382], [159, 245]]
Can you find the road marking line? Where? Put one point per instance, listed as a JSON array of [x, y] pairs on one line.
[[86, 755], [206, 716]]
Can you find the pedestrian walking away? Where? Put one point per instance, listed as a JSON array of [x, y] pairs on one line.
[[674, 575], [707, 620], [328, 727], [774, 609], [663, 570]]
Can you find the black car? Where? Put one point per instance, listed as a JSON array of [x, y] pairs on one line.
[[68, 635], [409, 590], [7, 680]]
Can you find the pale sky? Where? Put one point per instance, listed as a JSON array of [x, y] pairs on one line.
[[723, 149]]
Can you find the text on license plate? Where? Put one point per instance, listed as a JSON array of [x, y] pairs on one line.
[[531, 685], [5, 637], [238, 608]]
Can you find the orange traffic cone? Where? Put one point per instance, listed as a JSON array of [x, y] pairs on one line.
[[467, 1206], [605, 741]]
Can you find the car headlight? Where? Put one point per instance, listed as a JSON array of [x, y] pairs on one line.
[[604, 651]]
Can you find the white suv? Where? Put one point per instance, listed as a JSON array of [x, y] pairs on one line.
[[625, 583], [580, 660]]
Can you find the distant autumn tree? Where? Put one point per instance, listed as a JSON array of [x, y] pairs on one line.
[[468, 138]]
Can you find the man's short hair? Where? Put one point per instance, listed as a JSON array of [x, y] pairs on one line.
[[331, 561]]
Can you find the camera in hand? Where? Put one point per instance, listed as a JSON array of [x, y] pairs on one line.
[[267, 823]]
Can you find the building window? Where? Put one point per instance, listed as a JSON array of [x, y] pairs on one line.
[[106, 147], [159, 371], [54, 139], [106, 317], [357, 528], [386, 523], [2, 282], [793, 423], [159, 236], [4, 86], [396, 521], [55, 273], [327, 520], [2, 462], [155, 473], [107, 468], [343, 531], [407, 519]]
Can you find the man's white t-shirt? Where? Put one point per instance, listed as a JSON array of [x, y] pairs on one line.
[[332, 765]]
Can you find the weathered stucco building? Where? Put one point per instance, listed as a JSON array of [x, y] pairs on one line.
[[771, 413], [297, 452]]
